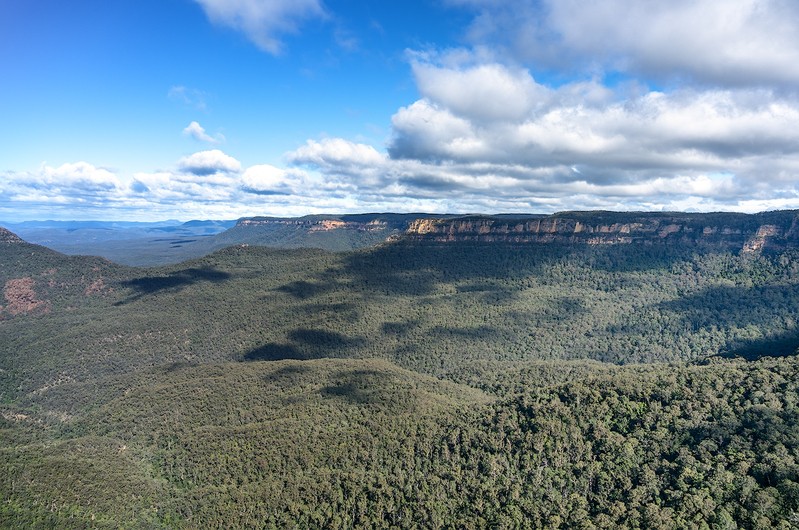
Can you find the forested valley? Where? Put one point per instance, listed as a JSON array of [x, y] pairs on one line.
[[415, 384]]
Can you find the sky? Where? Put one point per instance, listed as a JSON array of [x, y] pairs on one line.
[[220, 109]]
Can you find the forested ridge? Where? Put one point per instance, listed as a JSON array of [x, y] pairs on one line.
[[415, 384]]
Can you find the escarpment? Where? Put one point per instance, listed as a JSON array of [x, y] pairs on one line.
[[768, 231]]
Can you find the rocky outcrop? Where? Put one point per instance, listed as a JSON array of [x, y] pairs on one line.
[[21, 298], [765, 234], [747, 233], [9, 237]]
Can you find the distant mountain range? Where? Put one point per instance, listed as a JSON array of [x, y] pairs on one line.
[[129, 243]]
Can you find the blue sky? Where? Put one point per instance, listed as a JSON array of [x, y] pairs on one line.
[[146, 110]]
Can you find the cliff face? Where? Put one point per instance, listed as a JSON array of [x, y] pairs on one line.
[[747, 233]]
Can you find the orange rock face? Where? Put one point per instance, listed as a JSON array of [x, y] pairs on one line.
[[328, 224]]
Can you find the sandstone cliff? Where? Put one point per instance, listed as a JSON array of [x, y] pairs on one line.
[[747, 233]]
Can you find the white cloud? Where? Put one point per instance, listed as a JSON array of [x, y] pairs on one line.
[[335, 151], [266, 179], [212, 162], [713, 130], [484, 91], [263, 21], [196, 131], [80, 175], [79, 179], [77, 188], [730, 42], [342, 160], [426, 131]]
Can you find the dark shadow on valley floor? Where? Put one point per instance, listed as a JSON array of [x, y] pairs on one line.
[[783, 345], [304, 344], [724, 306], [171, 283], [275, 352], [369, 387]]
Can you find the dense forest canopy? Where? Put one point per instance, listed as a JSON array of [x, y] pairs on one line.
[[419, 383]]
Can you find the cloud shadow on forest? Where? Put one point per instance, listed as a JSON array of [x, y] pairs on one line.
[[275, 352], [417, 268], [730, 306], [366, 387], [782, 345], [722, 306], [304, 290], [477, 270], [305, 344], [172, 283]]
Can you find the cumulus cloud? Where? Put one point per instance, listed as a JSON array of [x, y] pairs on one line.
[[485, 91], [337, 153], [733, 43], [263, 21], [79, 176], [685, 129], [427, 131], [265, 179], [211, 181], [70, 187], [196, 131], [78, 180], [204, 178], [210, 162], [342, 160]]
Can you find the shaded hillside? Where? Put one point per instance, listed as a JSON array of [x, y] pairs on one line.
[[8, 237], [46, 280]]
